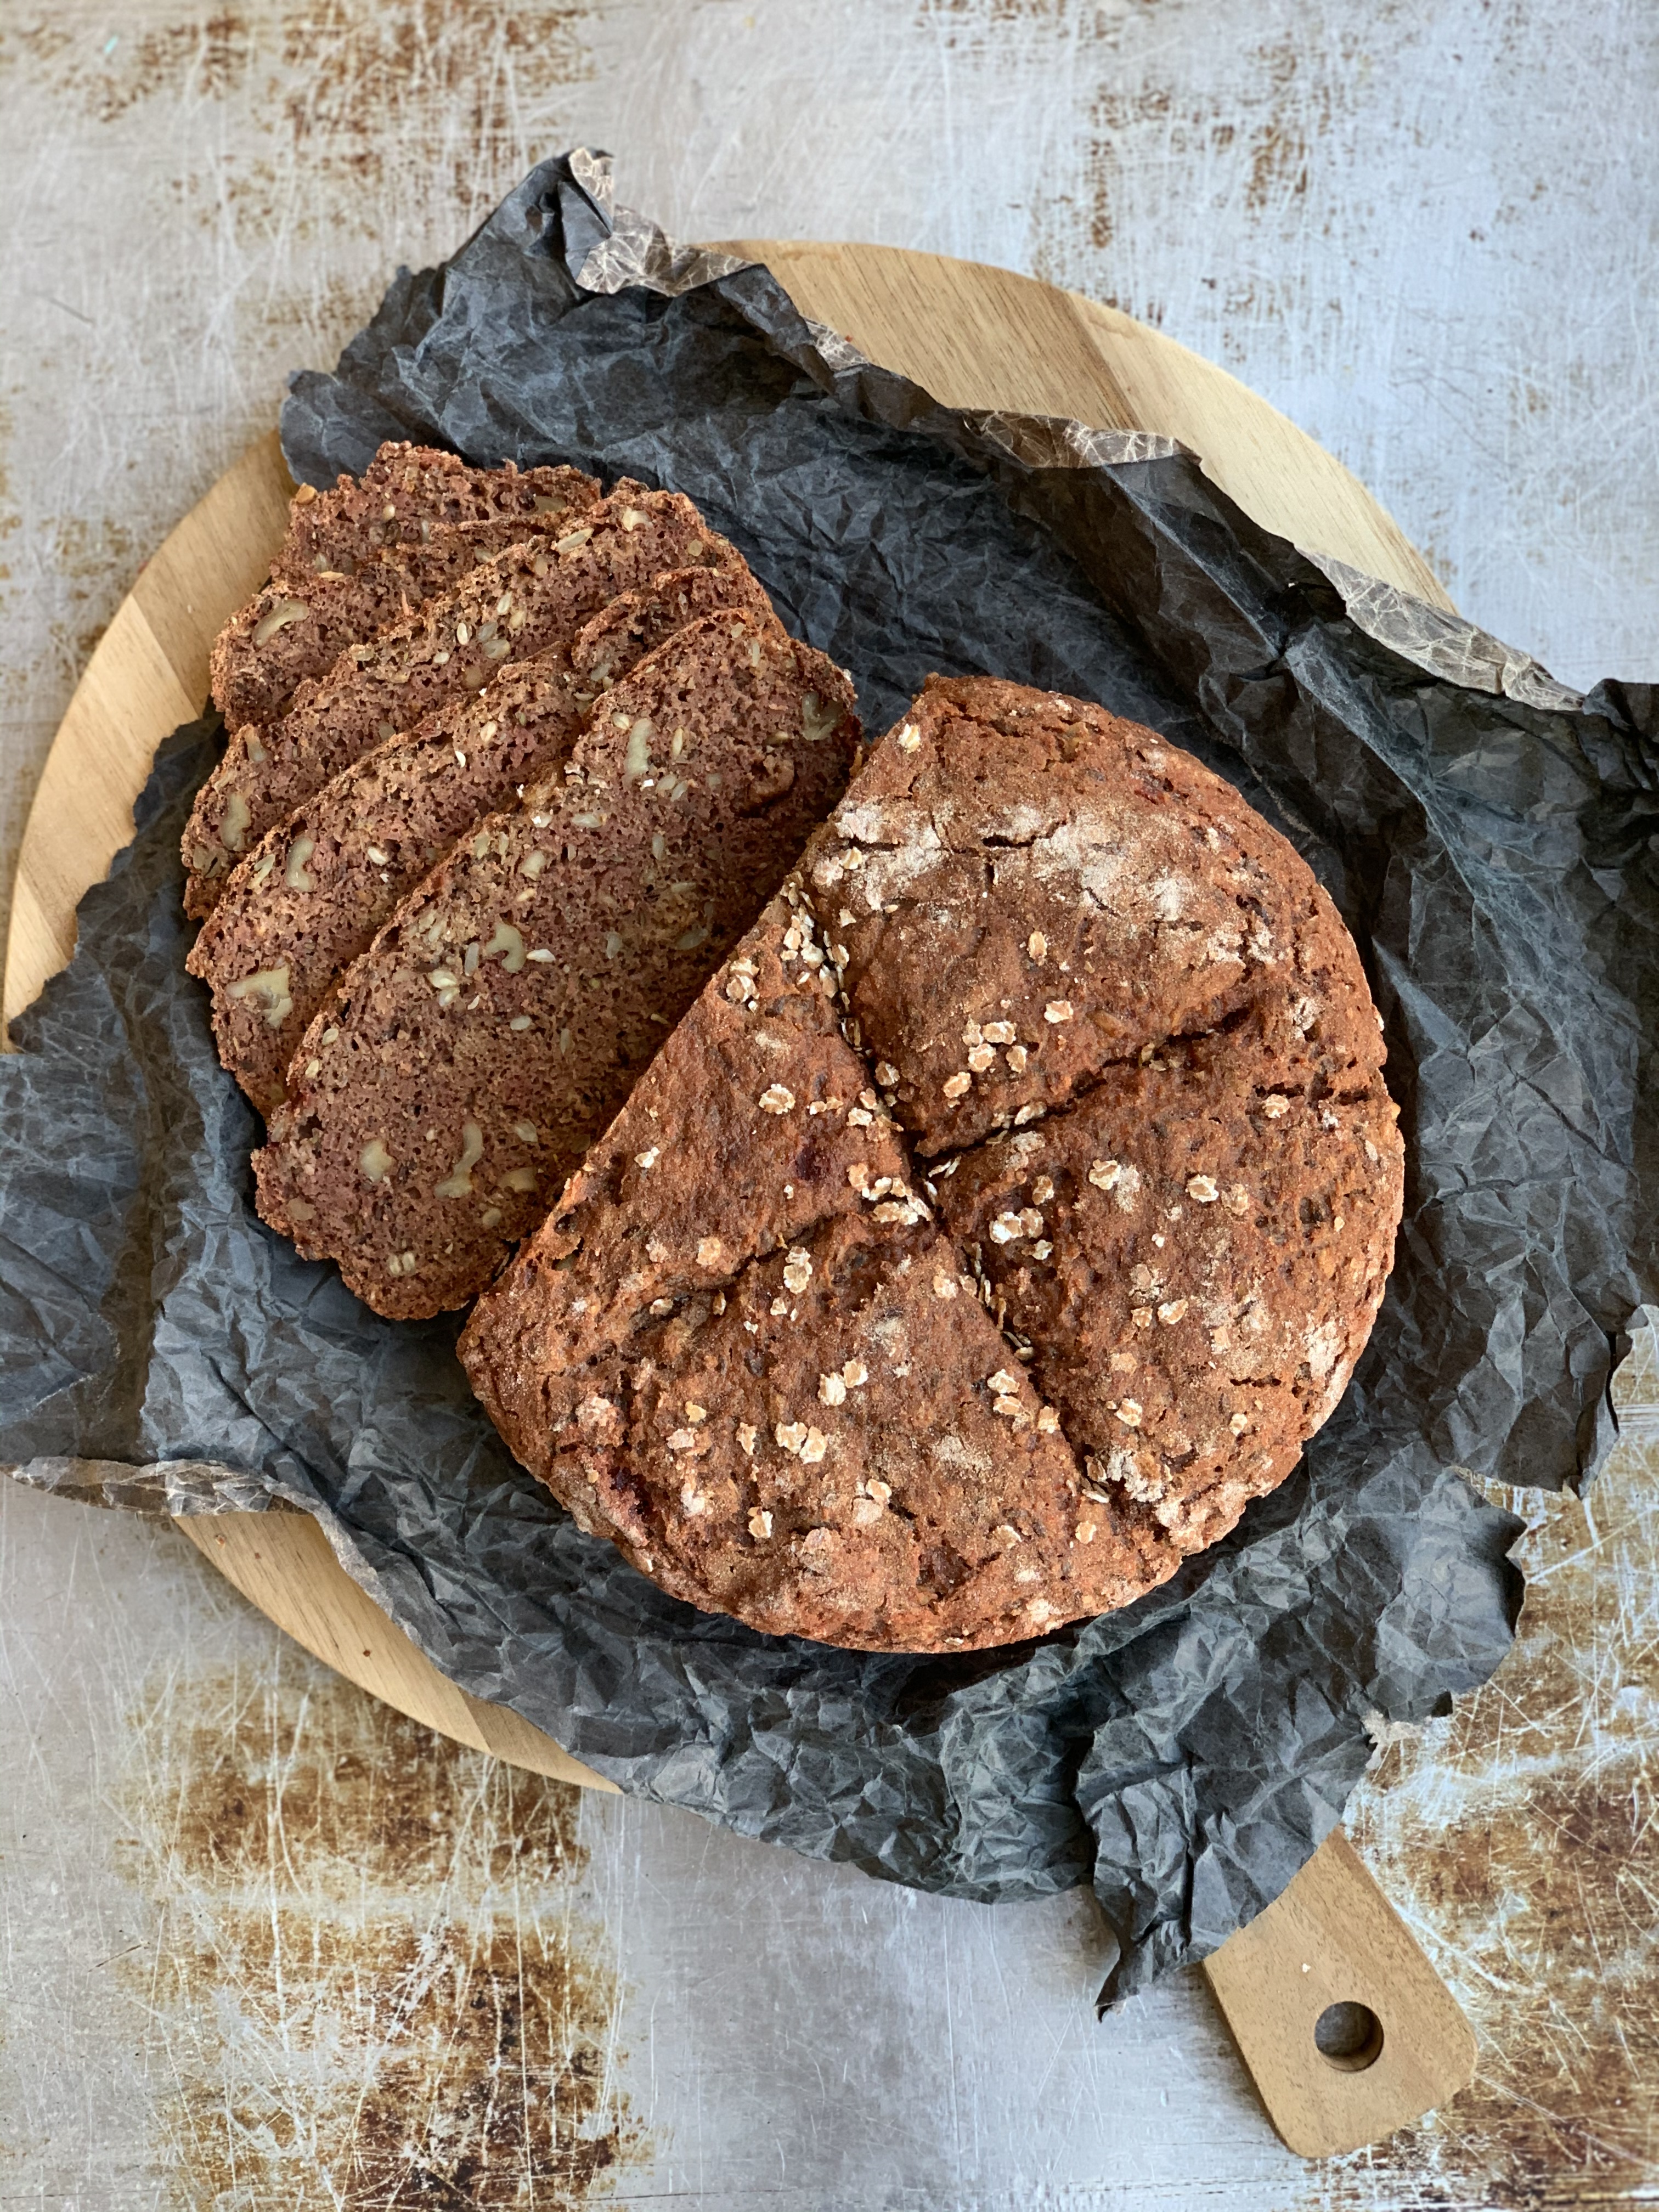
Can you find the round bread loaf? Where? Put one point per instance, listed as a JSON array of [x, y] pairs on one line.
[[1007, 1212]]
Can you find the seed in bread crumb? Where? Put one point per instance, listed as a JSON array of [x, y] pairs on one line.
[[790, 1436], [374, 1160], [1057, 1010], [910, 739], [760, 1523], [1037, 945], [813, 1447], [1002, 1381], [748, 1435], [1005, 1228], [798, 1268], [887, 1075], [660, 1306], [1104, 1174], [709, 1250], [981, 1057], [648, 1159], [958, 1085], [943, 1286], [1006, 1406], [1047, 1420], [458, 1184], [1239, 1423], [1128, 1412], [1172, 1311], [832, 1390], [854, 1374], [1000, 1032], [1201, 1190], [1017, 1058], [271, 987], [681, 1440], [776, 1098], [692, 1500], [519, 1022]]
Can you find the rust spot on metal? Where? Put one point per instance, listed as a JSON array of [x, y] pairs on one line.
[[463, 74], [461, 87], [1520, 1838], [202, 59], [372, 1983]]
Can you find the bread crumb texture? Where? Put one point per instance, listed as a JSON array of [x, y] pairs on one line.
[[1008, 1211]]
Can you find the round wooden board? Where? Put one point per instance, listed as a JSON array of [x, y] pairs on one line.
[[974, 335]]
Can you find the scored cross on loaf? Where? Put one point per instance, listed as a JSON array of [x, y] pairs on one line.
[[1008, 1211]]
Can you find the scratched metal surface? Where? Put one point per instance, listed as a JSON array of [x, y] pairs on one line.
[[264, 1944]]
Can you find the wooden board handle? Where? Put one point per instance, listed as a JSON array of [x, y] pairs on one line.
[[1347, 2030]]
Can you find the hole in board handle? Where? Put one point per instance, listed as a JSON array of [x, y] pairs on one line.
[[1349, 2036]]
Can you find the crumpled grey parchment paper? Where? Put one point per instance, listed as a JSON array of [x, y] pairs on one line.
[[1489, 847]]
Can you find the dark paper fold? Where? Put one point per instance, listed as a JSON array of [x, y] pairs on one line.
[[1490, 848]]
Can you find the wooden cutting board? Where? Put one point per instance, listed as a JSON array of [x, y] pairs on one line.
[[975, 336]]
